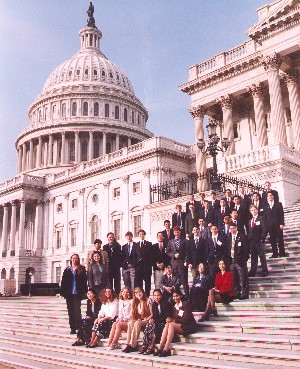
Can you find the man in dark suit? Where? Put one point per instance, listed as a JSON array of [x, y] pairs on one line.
[[191, 200], [196, 247], [214, 203], [221, 212], [228, 198], [113, 249], [238, 249], [244, 199], [142, 262], [178, 219], [256, 201], [160, 259], [235, 218], [204, 231], [257, 232], [275, 223], [177, 252], [224, 230], [167, 232], [216, 250], [170, 282], [250, 191], [242, 212], [264, 196], [127, 262], [208, 214], [191, 220]]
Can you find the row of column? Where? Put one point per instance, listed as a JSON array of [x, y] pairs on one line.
[[271, 65], [52, 151]]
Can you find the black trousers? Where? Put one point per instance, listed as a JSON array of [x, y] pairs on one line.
[[114, 277], [183, 272], [143, 274], [276, 240], [74, 311]]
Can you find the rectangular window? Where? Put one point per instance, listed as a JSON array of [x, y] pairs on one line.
[[137, 224], [74, 203], [59, 208], [117, 228], [58, 239], [73, 237], [136, 187], [117, 192], [58, 275]]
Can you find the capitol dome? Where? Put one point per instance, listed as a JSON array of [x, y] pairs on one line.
[[86, 109]]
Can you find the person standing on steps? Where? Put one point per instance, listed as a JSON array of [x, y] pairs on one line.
[[73, 289], [113, 249]]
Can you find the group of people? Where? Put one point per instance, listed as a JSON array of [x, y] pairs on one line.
[[212, 238]]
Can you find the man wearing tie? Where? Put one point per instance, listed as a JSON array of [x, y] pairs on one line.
[[208, 214], [275, 223], [191, 220], [127, 263], [264, 196], [192, 200], [113, 249], [256, 201], [214, 203], [170, 282], [228, 198], [204, 231], [177, 252], [167, 232], [257, 234], [225, 228], [178, 219], [221, 212], [216, 250], [142, 262], [160, 259], [195, 251]]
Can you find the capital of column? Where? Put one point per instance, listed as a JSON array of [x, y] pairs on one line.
[[13, 202], [272, 62], [23, 200], [215, 121], [146, 173], [52, 200], [66, 196], [81, 191], [290, 77], [106, 184], [256, 90], [197, 111], [125, 179], [5, 206], [226, 101]]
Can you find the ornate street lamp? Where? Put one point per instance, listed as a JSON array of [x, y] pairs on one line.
[[212, 146]]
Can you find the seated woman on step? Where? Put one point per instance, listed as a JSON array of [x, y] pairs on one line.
[[140, 315], [161, 310], [182, 322], [106, 317], [222, 292], [86, 324], [202, 283], [121, 324]]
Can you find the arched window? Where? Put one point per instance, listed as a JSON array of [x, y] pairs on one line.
[[85, 108], [117, 112], [96, 149], [72, 151], [3, 273], [53, 111], [138, 119], [12, 273], [45, 113], [40, 115], [74, 109], [106, 111], [84, 150], [63, 110], [132, 119], [125, 115], [96, 109], [94, 228]]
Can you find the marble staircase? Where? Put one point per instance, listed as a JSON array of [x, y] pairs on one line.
[[260, 333]]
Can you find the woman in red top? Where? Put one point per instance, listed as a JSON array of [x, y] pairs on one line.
[[222, 292]]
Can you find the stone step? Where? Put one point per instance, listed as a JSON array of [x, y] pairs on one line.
[[274, 293], [34, 324], [262, 304], [284, 271], [274, 279], [252, 316], [275, 286], [114, 359], [13, 362]]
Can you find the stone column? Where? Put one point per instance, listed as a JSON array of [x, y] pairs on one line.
[[291, 78], [30, 165], [226, 105], [271, 64], [22, 227], [104, 144], [129, 141], [77, 158], [256, 91], [106, 220], [39, 153], [117, 142], [146, 185], [24, 157], [197, 113], [91, 146], [63, 148], [19, 166], [38, 228], [125, 207], [13, 228], [5, 230], [50, 150]]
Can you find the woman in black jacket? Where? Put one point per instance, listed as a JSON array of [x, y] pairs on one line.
[[202, 283], [97, 274], [86, 324], [73, 289], [161, 310]]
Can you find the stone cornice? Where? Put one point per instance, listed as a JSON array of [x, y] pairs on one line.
[[22, 187], [224, 73]]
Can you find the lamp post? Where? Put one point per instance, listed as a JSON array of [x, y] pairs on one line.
[[213, 148], [30, 274]]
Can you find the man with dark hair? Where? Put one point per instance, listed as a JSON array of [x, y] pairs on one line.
[[167, 232], [191, 220], [221, 212], [113, 249], [208, 214], [225, 228], [257, 202], [264, 196], [177, 251], [170, 282], [142, 262], [178, 219], [215, 203], [242, 214], [196, 250], [127, 261], [160, 259], [216, 250], [104, 256], [274, 215], [245, 201], [228, 198], [191, 200]]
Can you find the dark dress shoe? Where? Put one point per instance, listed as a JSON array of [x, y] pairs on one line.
[[157, 352], [214, 313], [264, 274], [78, 343], [128, 349], [251, 274], [165, 353], [73, 331], [274, 257], [205, 317]]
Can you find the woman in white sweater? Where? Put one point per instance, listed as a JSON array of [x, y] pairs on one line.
[[106, 317], [121, 324]]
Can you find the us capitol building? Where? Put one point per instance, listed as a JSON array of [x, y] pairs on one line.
[[87, 162]]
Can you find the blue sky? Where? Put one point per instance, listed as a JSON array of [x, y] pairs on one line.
[[153, 41]]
